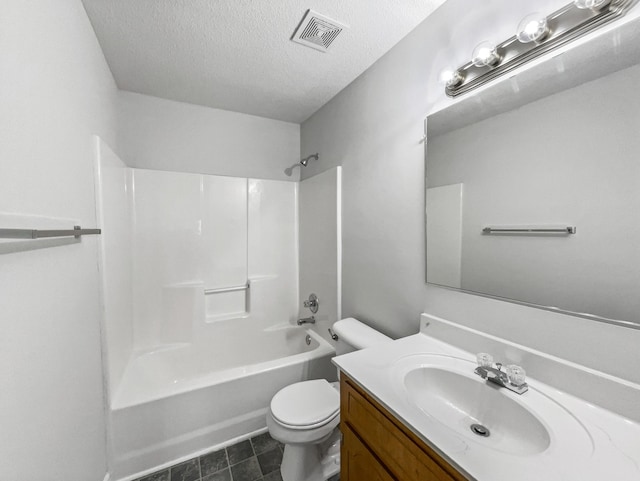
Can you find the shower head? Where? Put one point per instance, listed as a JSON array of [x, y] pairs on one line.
[[306, 160], [303, 163]]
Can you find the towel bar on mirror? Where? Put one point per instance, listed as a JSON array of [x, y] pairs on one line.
[[530, 230]]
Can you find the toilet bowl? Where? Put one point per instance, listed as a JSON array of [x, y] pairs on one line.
[[304, 416]]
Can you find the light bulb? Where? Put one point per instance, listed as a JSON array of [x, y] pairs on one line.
[[592, 4], [532, 28], [486, 55], [451, 78]]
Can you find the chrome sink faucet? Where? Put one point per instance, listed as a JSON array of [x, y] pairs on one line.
[[513, 378], [307, 320]]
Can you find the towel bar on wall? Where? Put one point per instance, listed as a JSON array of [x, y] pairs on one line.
[[227, 289], [76, 232], [529, 230]]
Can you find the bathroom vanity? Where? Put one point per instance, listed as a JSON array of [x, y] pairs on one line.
[[408, 409], [378, 447]]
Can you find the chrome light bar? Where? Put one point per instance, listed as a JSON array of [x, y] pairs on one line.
[[563, 26]]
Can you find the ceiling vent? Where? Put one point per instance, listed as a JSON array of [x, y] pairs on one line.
[[317, 31]]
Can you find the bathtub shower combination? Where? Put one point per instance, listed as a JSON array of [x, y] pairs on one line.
[[200, 287]]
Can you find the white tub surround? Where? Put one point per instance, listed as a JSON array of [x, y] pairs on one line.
[[174, 244], [586, 441], [113, 198]]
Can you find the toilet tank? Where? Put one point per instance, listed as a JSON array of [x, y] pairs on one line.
[[353, 335]]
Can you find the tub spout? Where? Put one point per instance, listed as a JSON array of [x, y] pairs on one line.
[[307, 320]]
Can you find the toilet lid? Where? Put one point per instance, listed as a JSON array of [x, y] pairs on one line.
[[306, 404]]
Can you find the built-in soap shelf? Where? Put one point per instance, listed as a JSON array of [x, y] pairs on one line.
[[227, 316], [219, 290], [227, 302]]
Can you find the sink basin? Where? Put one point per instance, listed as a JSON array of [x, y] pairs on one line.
[[446, 390], [477, 410]]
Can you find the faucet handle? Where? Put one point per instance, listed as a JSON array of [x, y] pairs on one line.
[[313, 303], [484, 359], [516, 375]]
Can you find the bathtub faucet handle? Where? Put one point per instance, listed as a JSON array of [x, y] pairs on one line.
[[313, 303]]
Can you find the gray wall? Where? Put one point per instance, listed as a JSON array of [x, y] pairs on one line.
[[373, 128], [57, 91], [320, 252], [162, 134]]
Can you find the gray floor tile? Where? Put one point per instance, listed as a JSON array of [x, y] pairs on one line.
[[275, 476], [187, 471], [263, 442], [240, 452], [224, 475], [270, 461], [247, 470], [235, 463], [213, 462], [159, 476]]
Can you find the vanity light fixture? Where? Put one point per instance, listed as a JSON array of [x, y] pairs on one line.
[[536, 35]]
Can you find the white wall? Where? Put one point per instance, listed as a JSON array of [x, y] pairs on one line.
[[321, 246], [56, 92], [373, 129], [165, 135]]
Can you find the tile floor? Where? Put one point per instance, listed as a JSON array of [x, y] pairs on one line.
[[256, 459]]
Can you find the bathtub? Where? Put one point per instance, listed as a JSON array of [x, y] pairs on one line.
[[184, 399]]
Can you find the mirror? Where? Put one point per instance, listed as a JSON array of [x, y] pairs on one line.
[[555, 147]]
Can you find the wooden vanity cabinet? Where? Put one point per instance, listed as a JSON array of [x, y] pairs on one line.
[[378, 447]]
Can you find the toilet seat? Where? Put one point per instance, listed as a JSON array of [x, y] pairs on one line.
[[306, 405]]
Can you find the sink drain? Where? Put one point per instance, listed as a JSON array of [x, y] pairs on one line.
[[480, 430]]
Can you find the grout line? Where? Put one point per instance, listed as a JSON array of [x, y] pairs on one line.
[[226, 453]]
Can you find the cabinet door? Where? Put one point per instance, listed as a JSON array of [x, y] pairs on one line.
[[357, 462], [403, 455]]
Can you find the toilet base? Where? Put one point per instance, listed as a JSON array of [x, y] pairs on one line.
[[312, 462]]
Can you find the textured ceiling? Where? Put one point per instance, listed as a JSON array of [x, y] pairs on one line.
[[237, 54]]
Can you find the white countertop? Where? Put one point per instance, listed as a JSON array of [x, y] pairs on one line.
[[607, 446]]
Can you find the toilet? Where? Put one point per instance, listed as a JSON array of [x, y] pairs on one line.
[[304, 416]]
